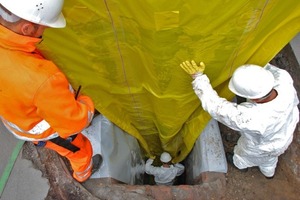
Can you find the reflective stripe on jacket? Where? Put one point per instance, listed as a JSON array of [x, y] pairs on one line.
[[36, 99], [40, 128]]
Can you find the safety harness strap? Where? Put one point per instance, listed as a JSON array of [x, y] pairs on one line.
[[66, 143]]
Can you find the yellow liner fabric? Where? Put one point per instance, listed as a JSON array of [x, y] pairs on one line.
[[126, 56]]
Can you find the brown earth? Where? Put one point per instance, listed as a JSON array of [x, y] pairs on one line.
[[253, 185]]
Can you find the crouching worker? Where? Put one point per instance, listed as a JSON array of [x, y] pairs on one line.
[[37, 103], [167, 172], [266, 121]]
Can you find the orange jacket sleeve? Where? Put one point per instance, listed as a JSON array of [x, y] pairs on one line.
[[56, 104]]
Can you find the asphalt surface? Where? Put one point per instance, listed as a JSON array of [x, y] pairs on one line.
[[19, 180]]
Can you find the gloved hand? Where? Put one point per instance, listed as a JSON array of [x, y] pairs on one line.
[[150, 161], [192, 68]]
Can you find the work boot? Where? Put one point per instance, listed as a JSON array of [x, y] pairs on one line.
[[97, 161], [269, 177], [229, 157]]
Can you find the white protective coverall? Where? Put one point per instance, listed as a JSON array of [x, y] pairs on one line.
[[266, 128], [163, 175]]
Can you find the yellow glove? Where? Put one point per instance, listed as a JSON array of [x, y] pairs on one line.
[[192, 68]]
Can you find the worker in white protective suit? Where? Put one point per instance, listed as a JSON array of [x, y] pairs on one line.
[[167, 172], [266, 121]]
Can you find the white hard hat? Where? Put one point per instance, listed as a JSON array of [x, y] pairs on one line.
[[165, 157], [43, 12], [251, 81]]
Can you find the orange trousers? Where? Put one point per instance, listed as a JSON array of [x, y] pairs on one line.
[[81, 160]]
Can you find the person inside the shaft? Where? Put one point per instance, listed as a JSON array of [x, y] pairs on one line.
[[167, 172]]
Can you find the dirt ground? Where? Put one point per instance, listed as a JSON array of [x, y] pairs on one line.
[[252, 184]]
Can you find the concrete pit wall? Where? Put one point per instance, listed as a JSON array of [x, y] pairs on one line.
[[124, 166]]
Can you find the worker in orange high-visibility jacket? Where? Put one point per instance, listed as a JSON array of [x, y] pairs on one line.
[[37, 103]]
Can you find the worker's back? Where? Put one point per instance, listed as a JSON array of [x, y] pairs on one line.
[[164, 175]]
